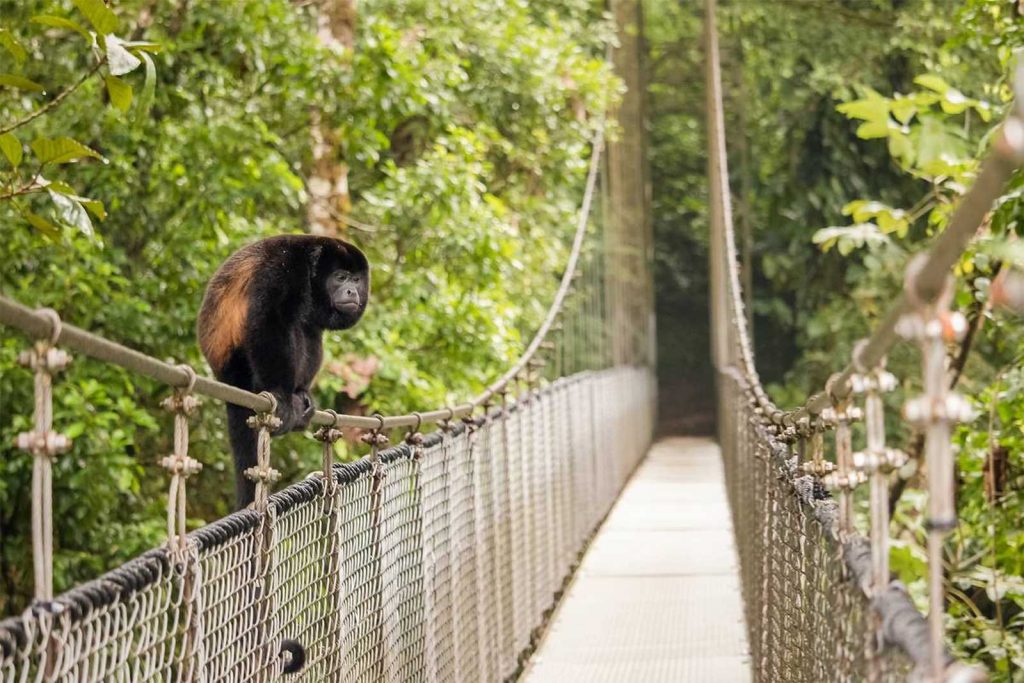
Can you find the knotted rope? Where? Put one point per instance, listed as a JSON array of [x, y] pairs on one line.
[[263, 474], [45, 360], [180, 465]]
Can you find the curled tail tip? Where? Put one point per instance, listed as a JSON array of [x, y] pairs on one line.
[[294, 656]]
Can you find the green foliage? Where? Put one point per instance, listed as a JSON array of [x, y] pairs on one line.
[[465, 127], [935, 134], [853, 129]]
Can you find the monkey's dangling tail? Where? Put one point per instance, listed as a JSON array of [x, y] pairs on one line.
[[243, 448]]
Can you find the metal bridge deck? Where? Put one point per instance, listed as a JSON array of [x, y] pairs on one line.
[[657, 597]]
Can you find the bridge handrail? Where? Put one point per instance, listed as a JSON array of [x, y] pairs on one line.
[[41, 325], [770, 430]]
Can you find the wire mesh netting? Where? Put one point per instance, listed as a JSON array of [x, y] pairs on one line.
[[437, 563], [807, 618]]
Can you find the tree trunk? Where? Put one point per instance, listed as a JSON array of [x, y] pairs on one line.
[[329, 200]]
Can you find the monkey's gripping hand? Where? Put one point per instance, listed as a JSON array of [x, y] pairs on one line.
[[295, 411]]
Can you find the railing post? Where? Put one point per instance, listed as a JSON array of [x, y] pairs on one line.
[[181, 466], [876, 462], [44, 444], [932, 325], [845, 478], [328, 435]]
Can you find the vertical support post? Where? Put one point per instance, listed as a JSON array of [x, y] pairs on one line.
[[876, 461], [845, 478], [376, 439], [933, 325], [262, 473], [44, 444], [328, 435], [181, 466], [718, 208]]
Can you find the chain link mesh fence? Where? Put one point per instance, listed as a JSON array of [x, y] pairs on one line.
[[436, 564]]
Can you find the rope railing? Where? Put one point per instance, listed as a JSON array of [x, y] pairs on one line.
[[440, 554], [821, 604], [40, 325]]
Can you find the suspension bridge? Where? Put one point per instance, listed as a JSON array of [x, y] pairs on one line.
[[532, 532]]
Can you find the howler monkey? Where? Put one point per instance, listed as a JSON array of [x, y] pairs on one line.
[[261, 327]]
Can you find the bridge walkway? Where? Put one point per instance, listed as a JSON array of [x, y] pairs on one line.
[[657, 597]]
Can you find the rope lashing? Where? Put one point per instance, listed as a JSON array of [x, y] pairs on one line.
[[414, 438], [263, 474], [876, 462], [845, 478], [933, 325], [376, 440], [180, 465], [44, 444], [328, 435], [817, 466]]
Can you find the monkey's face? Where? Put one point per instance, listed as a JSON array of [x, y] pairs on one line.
[[348, 291]]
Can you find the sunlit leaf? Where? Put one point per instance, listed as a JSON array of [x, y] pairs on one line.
[[874, 109], [873, 129], [903, 109], [119, 91], [98, 14], [11, 148], [19, 82], [901, 148], [61, 150], [932, 82]]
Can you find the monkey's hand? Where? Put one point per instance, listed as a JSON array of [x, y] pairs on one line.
[[295, 411], [304, 410]]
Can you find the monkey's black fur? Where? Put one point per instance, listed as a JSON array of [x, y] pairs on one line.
[[261, 327]]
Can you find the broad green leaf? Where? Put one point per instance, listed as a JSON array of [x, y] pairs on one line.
[[119, 91], [19, 82], [94, 206], [61, 22], [901, 148], [903, 109], [98, 14], [148, 89], [893, 221], [875, 108], [870, 130], [58, 186], [932, 82], [937, 144], [42, 225], [61, 150], [72, 213], [11, 44], [119, 60], [11, 148]]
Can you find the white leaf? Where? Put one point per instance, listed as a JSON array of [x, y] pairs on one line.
[[119, 60]]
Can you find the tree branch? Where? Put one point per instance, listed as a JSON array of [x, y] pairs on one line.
[[54, 102]]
